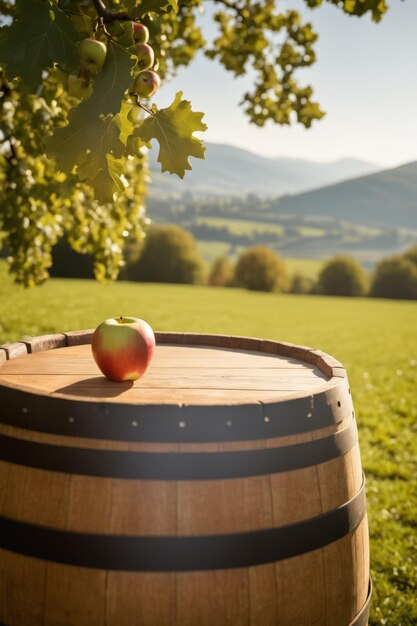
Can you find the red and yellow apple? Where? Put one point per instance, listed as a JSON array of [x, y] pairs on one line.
[[140, 32], [146, 83], [92, 54], [123, 348], [145, 54]]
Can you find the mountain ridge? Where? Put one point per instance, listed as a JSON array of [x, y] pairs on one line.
[[232, 171], [387, 198], [368, 217]]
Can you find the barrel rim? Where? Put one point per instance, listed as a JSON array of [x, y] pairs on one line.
[[327, 364], [295, 413]]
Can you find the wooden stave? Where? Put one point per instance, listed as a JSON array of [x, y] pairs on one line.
[[35, 485], [56, 594], [249, 572], [357, 548], [184, 464]]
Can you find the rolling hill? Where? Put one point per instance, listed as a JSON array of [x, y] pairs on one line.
[[386, 199], [231, 171], [368, 217]]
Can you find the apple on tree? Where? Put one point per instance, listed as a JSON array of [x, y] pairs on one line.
[[140, 32], [146, 83], [135, 115], [145, 54], [123, 348], [92, 54]]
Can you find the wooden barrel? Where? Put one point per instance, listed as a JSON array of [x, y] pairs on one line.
[[224, 488]]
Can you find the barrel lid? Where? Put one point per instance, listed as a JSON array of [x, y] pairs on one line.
[[198, 387]]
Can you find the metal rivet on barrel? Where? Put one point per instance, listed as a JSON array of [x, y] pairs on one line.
[[309, 414], [25, 410], [267, 419], [182, 424], [135, 423], [229, 423], [71, 419]]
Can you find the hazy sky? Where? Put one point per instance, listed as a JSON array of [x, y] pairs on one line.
[[365, 79]]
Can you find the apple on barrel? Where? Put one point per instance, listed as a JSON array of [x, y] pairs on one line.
[[123, 348]]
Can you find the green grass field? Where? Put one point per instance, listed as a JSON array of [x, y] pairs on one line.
[[375, 339]]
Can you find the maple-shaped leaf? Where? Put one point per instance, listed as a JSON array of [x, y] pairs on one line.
[[102, 168], [109, 179], [173, 128], [40, 36], [109, 143], [86, 129]]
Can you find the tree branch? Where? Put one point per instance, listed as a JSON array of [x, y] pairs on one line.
[[107, 15], [139, 103]]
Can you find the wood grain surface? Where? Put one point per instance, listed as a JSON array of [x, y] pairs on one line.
[[318, 587], [178, 373]]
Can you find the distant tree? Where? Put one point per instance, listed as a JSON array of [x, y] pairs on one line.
[[395, 277], [301, 284], [261, 269], [342, 276], [411, 254], [169, 255], [221, 272]]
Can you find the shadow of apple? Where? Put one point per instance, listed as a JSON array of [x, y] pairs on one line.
[[97, 386]]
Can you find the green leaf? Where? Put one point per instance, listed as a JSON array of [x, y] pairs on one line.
[[135, 143], [109, 143], [102, 168], [173, 128], [154, 6], [86, 129], [109, 179], [41, 36], [126, 127], [82, 23]]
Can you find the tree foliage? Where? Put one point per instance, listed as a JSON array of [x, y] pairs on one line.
[[169, 255], [342, 276], [301, 284], [77, 166], [260, 269], [395, 277], [411, 254], [221, 272]]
